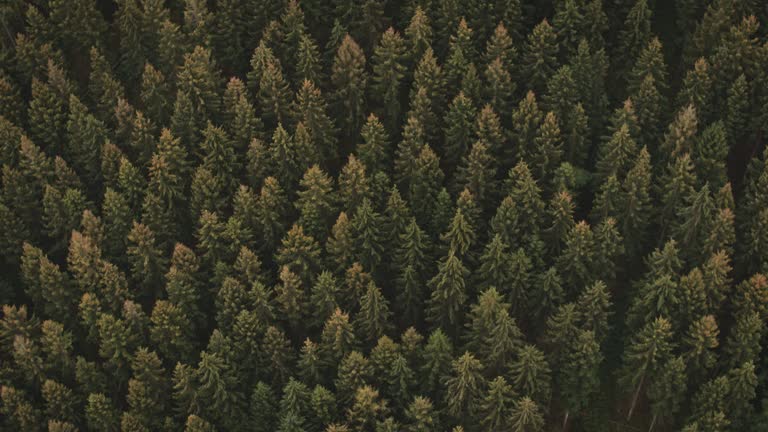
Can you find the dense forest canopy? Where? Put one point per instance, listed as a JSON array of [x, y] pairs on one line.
[[383, 215]]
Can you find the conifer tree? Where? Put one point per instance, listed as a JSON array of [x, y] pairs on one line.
[[350, 80], [354, 184], [367, 236], [337, 339], [636, 30], [421, 415], [737, 108], [425, 184], [539, 59], [465, 386], [742, 344], [649, 61], [373, 151], [526, 121], [459, 122], [448, 293], [645, 356], [311, 109], [531, 375], [526, 416], [397, 217], [407, 151], [430, 78], [461, 54], [199, 79], [636, 202], [388, 72], [373, 318], [418, 35]]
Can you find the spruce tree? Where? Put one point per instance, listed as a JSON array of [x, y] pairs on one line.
[[465, 386], [531, 374], [311, 109], [539, 59], [448, 293], [459, 121], [579, 376], [526, 416], [350, 79], [645, 355], [373, 318], [388, 73]]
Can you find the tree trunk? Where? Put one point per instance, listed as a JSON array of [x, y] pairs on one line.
[[653, 423], [565, 420], [634, 398]]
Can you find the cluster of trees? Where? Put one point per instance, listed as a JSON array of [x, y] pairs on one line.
[[379, 216]]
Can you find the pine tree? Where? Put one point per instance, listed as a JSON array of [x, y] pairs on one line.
[[448, 293], [366, 410], [271, 209], [311, 109], [354, 372], [743, 342], [262, 407], [373, 319], [100, 413], [500, 87], [531, 375], [241, 121], [736, 116], [649, 61], [742, 382], [290, 296], [465, 386], [397, 218], [579, 376], [645, 355], [459, 122], [461, 54], [497, 404], [697, 90], [547, 147], [198, 22], [367, 236], [85, 136], [430, 79], [217, 382], [539, 60], [709, 154], [421, 415], [354, 184], [577, 259], [548, 295], [680, 136], [526, 121], [501, 45], [615, 156], [636, 202], [388, 73], [147, 260], [561, 95], [274, 94], [199, 79], [636, 31], [340, 244], [350, 79], [667, 392], [418, 35], [526, 416]]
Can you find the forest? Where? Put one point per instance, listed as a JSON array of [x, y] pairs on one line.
[[383, 215]]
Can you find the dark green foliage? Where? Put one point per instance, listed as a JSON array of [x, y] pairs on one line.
[[243, 215]]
